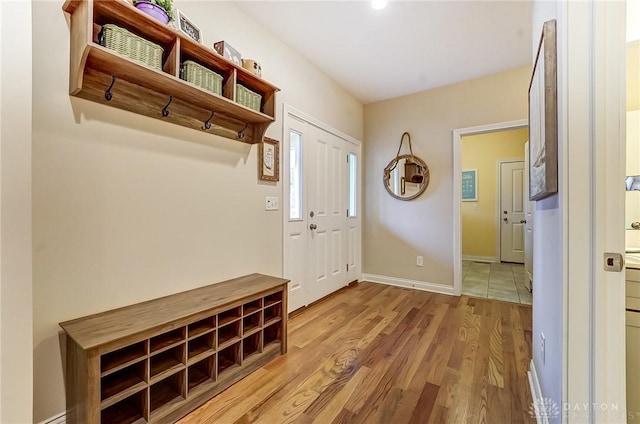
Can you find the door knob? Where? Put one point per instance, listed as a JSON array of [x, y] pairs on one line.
[[313, 226], [505, 219], [524, 221]]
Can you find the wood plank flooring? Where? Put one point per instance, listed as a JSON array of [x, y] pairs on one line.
[[379, 354]]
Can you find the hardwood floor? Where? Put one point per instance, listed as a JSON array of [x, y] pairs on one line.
[[381, 354]]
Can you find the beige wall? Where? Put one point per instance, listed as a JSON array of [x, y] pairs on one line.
[[394, 232], [482, 152], [16, 327], [633, 75], [128, 208]]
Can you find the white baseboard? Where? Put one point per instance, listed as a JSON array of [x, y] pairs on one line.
[[536, 392], [412, 284], [479, 258], [58, 419]]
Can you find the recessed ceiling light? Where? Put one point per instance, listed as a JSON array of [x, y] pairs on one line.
[[379, 4]]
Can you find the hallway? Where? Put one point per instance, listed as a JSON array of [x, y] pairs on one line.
[[499, 281]]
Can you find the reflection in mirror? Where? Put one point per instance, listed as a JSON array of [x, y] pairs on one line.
[[633, 183], [406, 177]]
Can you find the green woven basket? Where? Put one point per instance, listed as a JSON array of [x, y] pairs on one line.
[[201, 76], [128, 44], [248, 98]]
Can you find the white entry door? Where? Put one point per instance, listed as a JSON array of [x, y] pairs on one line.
[[327, 213], [512, 212], [322, 224]]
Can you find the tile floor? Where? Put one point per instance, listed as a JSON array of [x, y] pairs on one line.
[[501, 281]]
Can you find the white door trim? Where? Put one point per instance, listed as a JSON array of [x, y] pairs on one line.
[[289, 112], [609, 157], [499, 163], [457, 188]]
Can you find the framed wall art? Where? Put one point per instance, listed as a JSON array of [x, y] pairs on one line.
[[543, 117], [269, 160], [187, 27], [470, 185]]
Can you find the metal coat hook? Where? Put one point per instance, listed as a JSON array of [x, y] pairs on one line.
[[207, 123], [165, 110], [241, 132], [107, 94]]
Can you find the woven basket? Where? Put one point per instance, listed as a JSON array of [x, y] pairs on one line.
[[127, 44], [201, 76], [248, 98]]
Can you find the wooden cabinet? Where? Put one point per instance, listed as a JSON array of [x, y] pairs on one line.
[[136, 87], [156, 361]]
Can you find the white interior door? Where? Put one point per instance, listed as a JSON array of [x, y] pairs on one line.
[[512, 212], [327, 214], [322, 241], [528, 224]]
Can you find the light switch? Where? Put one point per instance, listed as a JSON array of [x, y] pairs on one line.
[[272, 204]]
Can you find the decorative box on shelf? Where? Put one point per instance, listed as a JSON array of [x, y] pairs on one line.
[[225, 50]]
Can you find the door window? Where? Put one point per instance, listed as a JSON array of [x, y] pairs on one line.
[[353, 183], [295, 174]]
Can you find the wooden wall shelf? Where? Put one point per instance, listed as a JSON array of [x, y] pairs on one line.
[[144, 90], [156, 361]]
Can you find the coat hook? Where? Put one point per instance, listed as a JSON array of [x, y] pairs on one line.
[[207, 123], [107, 94], [241, 132], [165, 110]]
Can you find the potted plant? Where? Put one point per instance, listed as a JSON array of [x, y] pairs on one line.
[[161, 10]]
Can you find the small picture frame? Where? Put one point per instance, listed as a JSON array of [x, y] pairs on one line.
[[470, 185], [269, 160], [187, 27]]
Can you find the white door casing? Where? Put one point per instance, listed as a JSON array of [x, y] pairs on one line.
[[512, 211], [316, 260], [457, 188], [528, 225], [591, 112]]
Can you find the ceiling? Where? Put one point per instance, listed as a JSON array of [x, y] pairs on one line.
[[409, 46]]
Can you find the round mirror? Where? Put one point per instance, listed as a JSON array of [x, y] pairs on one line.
[[406, 177]]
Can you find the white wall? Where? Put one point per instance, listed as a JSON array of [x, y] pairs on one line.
[[15, 210], [128, 208], [395, 231], [548, 258]]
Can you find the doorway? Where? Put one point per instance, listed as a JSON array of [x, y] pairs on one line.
[[321, 226], [495, 153]]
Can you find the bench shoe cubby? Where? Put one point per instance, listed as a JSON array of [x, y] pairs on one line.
[[156, 361]]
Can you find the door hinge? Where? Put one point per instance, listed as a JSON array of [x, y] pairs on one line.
[[347, 158], [347, 267]]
